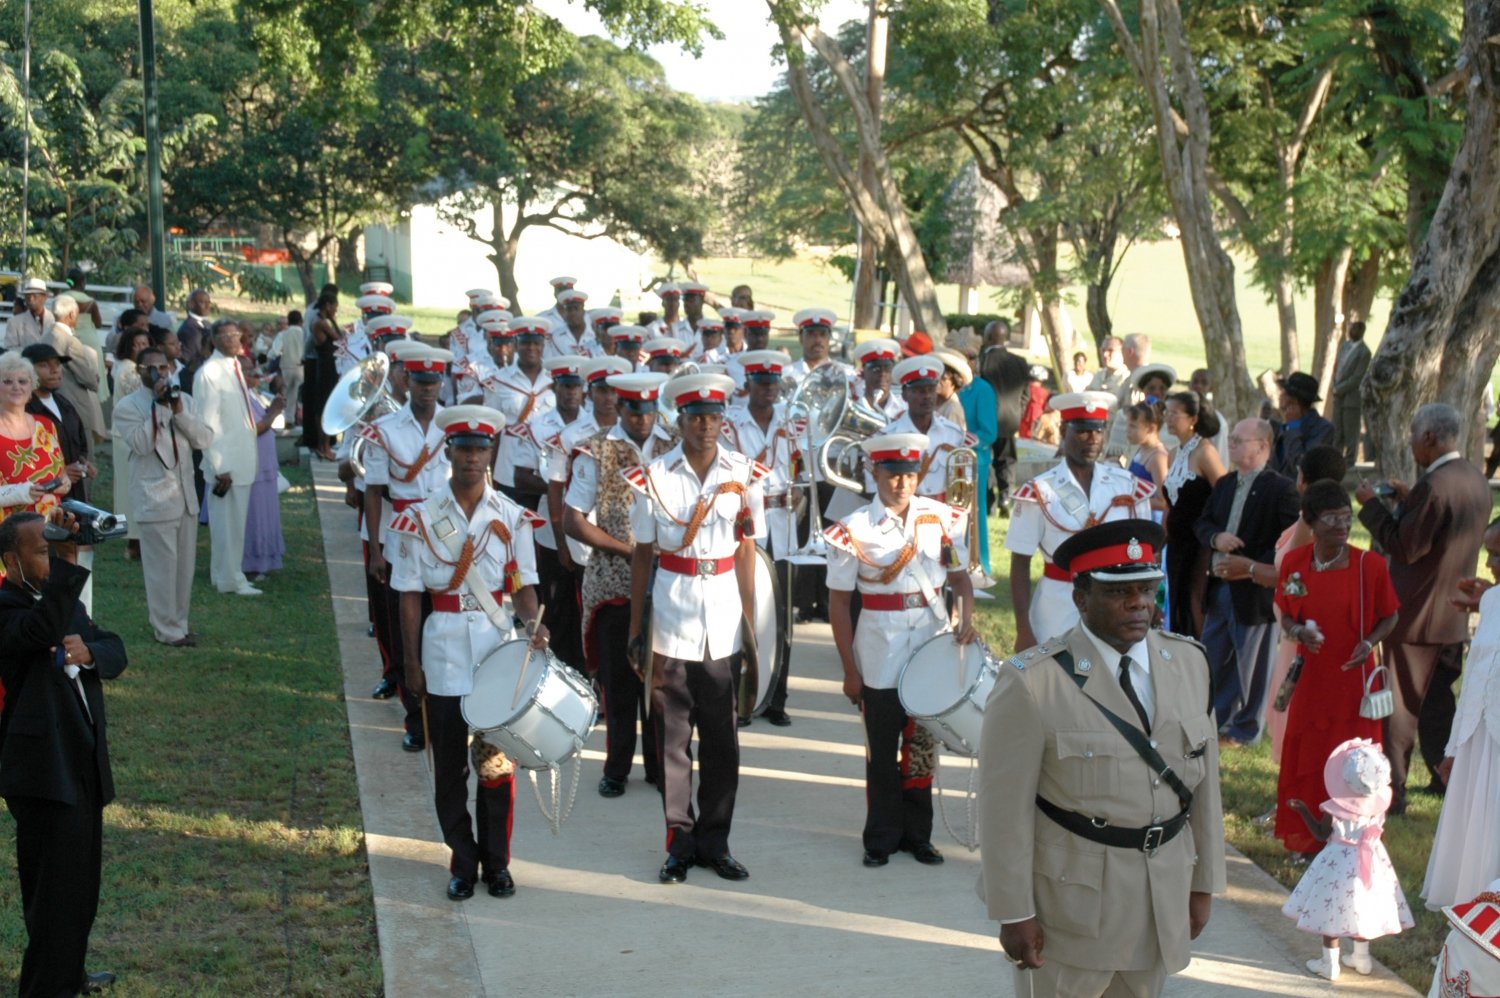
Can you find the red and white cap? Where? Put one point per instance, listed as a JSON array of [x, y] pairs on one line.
[[1479, 919], [559, 283], [494, 324], [605, 317], [477, 421], [896, 451], [1090, 407], [665, 346], [810, 317], [377, 288], [693, 288], [763, 362], [877, 350], [534, 325], [643, 386], [732, 316], [474, 294], [713, 326], [759, 319], [923, 370], [694, 390], [427, 362], [396, 350], [559, 368], [379, 304], [486, 303], [571, 296], [599, 368], [389, 325], [627, 333], [668, 290]]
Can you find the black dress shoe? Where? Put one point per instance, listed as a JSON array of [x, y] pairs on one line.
[[674, 870], [611, 787], [460, 889], [384, 690], [370, 631], [777, 717], [743, 722], [95, 982], [413, 742], [727, 867], [925, 853], [499, 883], [875, 858]]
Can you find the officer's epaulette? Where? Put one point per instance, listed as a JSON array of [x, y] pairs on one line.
[[838, 535], [1189, 639], [528, 516], [758, 471], [636, 476], [406, 523], [1026, 493]]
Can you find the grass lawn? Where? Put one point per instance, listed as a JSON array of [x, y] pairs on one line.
[[234, 858], [1248, 779]]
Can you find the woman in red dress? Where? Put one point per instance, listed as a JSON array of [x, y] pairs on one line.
[[1322, 589], [30, 454]]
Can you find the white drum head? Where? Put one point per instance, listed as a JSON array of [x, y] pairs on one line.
[[494, 700], [939, 674], [764, 616]]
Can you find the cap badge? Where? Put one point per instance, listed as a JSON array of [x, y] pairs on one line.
[[1133, 551]]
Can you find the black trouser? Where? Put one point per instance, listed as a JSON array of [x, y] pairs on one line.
[[624, 697], [812, 580], [562, 613], [898, 810], [1423, 676], [380, 617], [1002, 465], [58, 853], [1435, 723], [685, 695], [396, 652], [494, 801]]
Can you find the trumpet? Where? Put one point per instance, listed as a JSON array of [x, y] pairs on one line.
[[961, 489]]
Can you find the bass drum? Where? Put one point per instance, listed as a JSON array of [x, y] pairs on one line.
[[772, 656]]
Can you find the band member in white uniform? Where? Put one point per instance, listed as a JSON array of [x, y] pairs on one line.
[[694, 294], [710, 348], [918, 378], [628, 340], [814, 332], [697, 515], [875, 360], [520, 392], [355, 346], [463, 538], [1079, 492], [663, 354], [601, 321], [404, 462], [571, 337], [758, 430], [599, 502], [897, 552], [671, 324], [757, 328], [558, 284]]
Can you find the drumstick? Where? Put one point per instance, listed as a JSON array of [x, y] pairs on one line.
[[525, 662]]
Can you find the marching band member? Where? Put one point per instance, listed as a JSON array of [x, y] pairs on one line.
[[469, 342], [377, 288], [599, 414], [671, 324], [700, 505], [710, 348], [601, 321], [628, 340], [1078, 492], [480, 373], [814, 331], [734, 330], [875, 360], [757, 328], [597, 514], [468, 327], [694, 293], [404, 462], [918, 378], [897, 552], [520, 391], [571, 337], [663, 353], [559, 284], [355, 346], [758, 430], [461, 539]]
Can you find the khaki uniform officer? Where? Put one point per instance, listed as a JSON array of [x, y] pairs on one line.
[[697, 514], [404, 462], [1099, 821], [917, 378], [897, 552], [464, 537], [1078, 492], [759, 431], [599, 501]]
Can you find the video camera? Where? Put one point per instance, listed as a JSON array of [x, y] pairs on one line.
[[172, 394], [94, 525]]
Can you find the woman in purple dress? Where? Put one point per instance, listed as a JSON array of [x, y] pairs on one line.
[[264, 544]]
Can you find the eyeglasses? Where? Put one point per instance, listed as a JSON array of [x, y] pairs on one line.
[[1337, 519]]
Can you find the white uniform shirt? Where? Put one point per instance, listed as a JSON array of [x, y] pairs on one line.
[[681, 329], [341, 452], [800, 370], [519, 399], [534, 445], [454, 643], [885, 640], [397, 442], [772, 447], [695, 617], [943, 436], [352, 349], [562, 343], [894, 406]]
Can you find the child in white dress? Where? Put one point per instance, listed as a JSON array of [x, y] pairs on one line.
[[1350, 889]]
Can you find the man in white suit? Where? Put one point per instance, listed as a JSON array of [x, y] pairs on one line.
[[229, 462]]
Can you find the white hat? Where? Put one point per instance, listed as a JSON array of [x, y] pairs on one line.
[[606, 314], [707, 325], [759, 363], [643, 386], [732, 316], [1090, 407], [375, 303], [814, 317], [625, 332], [558, 283], [665, 346], [599, 368], [877, 350], [477, 421], [477, 293], [693, 288], [923, 368], [33, 286], [389, 325], [896, 451], [567, 296], [536, 324], [957, 363], [699, 390], [495, 322], [1145, 371], [757, 317], [377, 288], [668, 290]]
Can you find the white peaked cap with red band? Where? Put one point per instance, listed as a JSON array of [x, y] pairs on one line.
[[668, 290], [564, 367], [496, 323], [558, 283], [732, 316], [427, 360], [643, 386], [390, 325], [627, 333], [375, 303], [538, 324], [470, 421], [707, 325], [377, 288], [916, 370], [698, 389], [1093, 407], [693, 288], [814, 317], [398, 349], [758, 318], [897, 448], [763, 362], [607, 314], [665, 346], [474, 294], [877, 350], [600, 368], [567, 296]]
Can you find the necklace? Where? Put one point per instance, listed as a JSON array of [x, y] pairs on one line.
[[1323, 566]]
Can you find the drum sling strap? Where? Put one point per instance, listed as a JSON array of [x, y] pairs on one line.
[[1148, 839], [455, 540]]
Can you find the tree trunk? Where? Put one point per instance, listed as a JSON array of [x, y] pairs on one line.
[[1097, 310], [1360, 289], [1328, 329], [348, 249], [503, 248], [1444, 333], [303, 261], [866, 306], [1286, 318]]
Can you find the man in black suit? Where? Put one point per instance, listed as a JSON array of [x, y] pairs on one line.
[[1246, 514], [54, 759], [46, 400], [1010, 376], [193, 334]]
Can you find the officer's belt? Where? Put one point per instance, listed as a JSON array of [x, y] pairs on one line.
[[1149, 838]]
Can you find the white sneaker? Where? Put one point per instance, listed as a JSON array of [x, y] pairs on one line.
[[1360, 960], [1323, 967], [247, 590]]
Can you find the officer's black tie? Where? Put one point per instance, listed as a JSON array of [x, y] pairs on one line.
[[1129, 689]]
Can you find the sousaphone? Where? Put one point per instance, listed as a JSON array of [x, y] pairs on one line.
[[361, 397]]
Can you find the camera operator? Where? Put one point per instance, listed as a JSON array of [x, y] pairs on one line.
[[160, 427], [54, 760]]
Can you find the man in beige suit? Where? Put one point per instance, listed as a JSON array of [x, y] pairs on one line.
[[161, 429], [1100, 827], [229, 462]]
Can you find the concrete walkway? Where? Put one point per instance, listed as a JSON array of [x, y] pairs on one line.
[[589, 917]]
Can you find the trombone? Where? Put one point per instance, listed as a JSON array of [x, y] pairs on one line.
[[961, 488]]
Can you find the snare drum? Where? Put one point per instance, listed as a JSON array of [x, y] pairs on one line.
[[944, 688], [543, 724], [771, 656]]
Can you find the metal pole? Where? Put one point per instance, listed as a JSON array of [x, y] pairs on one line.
[[26, 134], [155, 226]]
